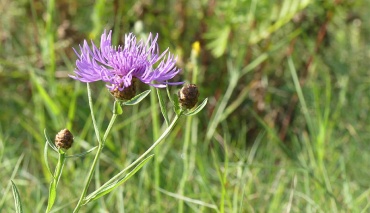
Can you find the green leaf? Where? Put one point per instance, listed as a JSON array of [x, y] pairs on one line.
[[52, 194], [17, 199], [117, 108], [52, 145], [169, 95], [54, 182], [176, 105], [107, 189], [46, 158], [198, 109], [162, 106], [82, 154], [175, 101], [135, 100]]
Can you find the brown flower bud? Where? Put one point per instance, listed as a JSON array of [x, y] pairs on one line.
[[127, 93], [64, 139], [188, 96]]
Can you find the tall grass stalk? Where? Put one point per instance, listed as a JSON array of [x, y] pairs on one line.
[[49, 46], [319, 128], [222, 173]]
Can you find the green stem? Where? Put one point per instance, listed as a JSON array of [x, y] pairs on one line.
[[88, 180], [49, 49], [92, 113], [110, 125], [99, 151], [55, 181], [155, 144], [185, 154], [155, 126]]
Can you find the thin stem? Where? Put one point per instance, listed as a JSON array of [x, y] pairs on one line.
[[92, 113], [185, 155], [89, 177], [155, 144], [110, 125], [155, 126], [99, 151]]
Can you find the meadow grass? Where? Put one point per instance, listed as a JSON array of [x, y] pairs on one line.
[[286, 127]]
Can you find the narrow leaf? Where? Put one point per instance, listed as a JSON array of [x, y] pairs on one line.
[[46, 158], [82, 154], [162, 106], [169, 95], [198, 109], [54, 182], [17, 199], [175, 101], [107, 189], [4, 191], [188, 200], [135, 100], [52, 194], [176, 105], [52, 145]]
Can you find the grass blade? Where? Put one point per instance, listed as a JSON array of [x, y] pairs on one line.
[[17, 199], [188, 200]]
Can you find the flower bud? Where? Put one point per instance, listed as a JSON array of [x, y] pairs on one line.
[[188, 96], [64, 139], [127, 93]]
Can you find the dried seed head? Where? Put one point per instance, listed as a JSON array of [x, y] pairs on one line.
[[64, 139], [127, 93], [188, 96]]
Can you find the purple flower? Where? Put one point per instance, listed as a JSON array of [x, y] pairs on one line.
[[118, 65]]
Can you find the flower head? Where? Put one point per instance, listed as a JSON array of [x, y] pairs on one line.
[[64, 139], [118, 65], [188, 96]]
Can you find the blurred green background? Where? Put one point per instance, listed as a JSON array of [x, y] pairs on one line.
[[286, 126]]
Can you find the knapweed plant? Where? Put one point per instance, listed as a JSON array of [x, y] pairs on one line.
[[121, 67]]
